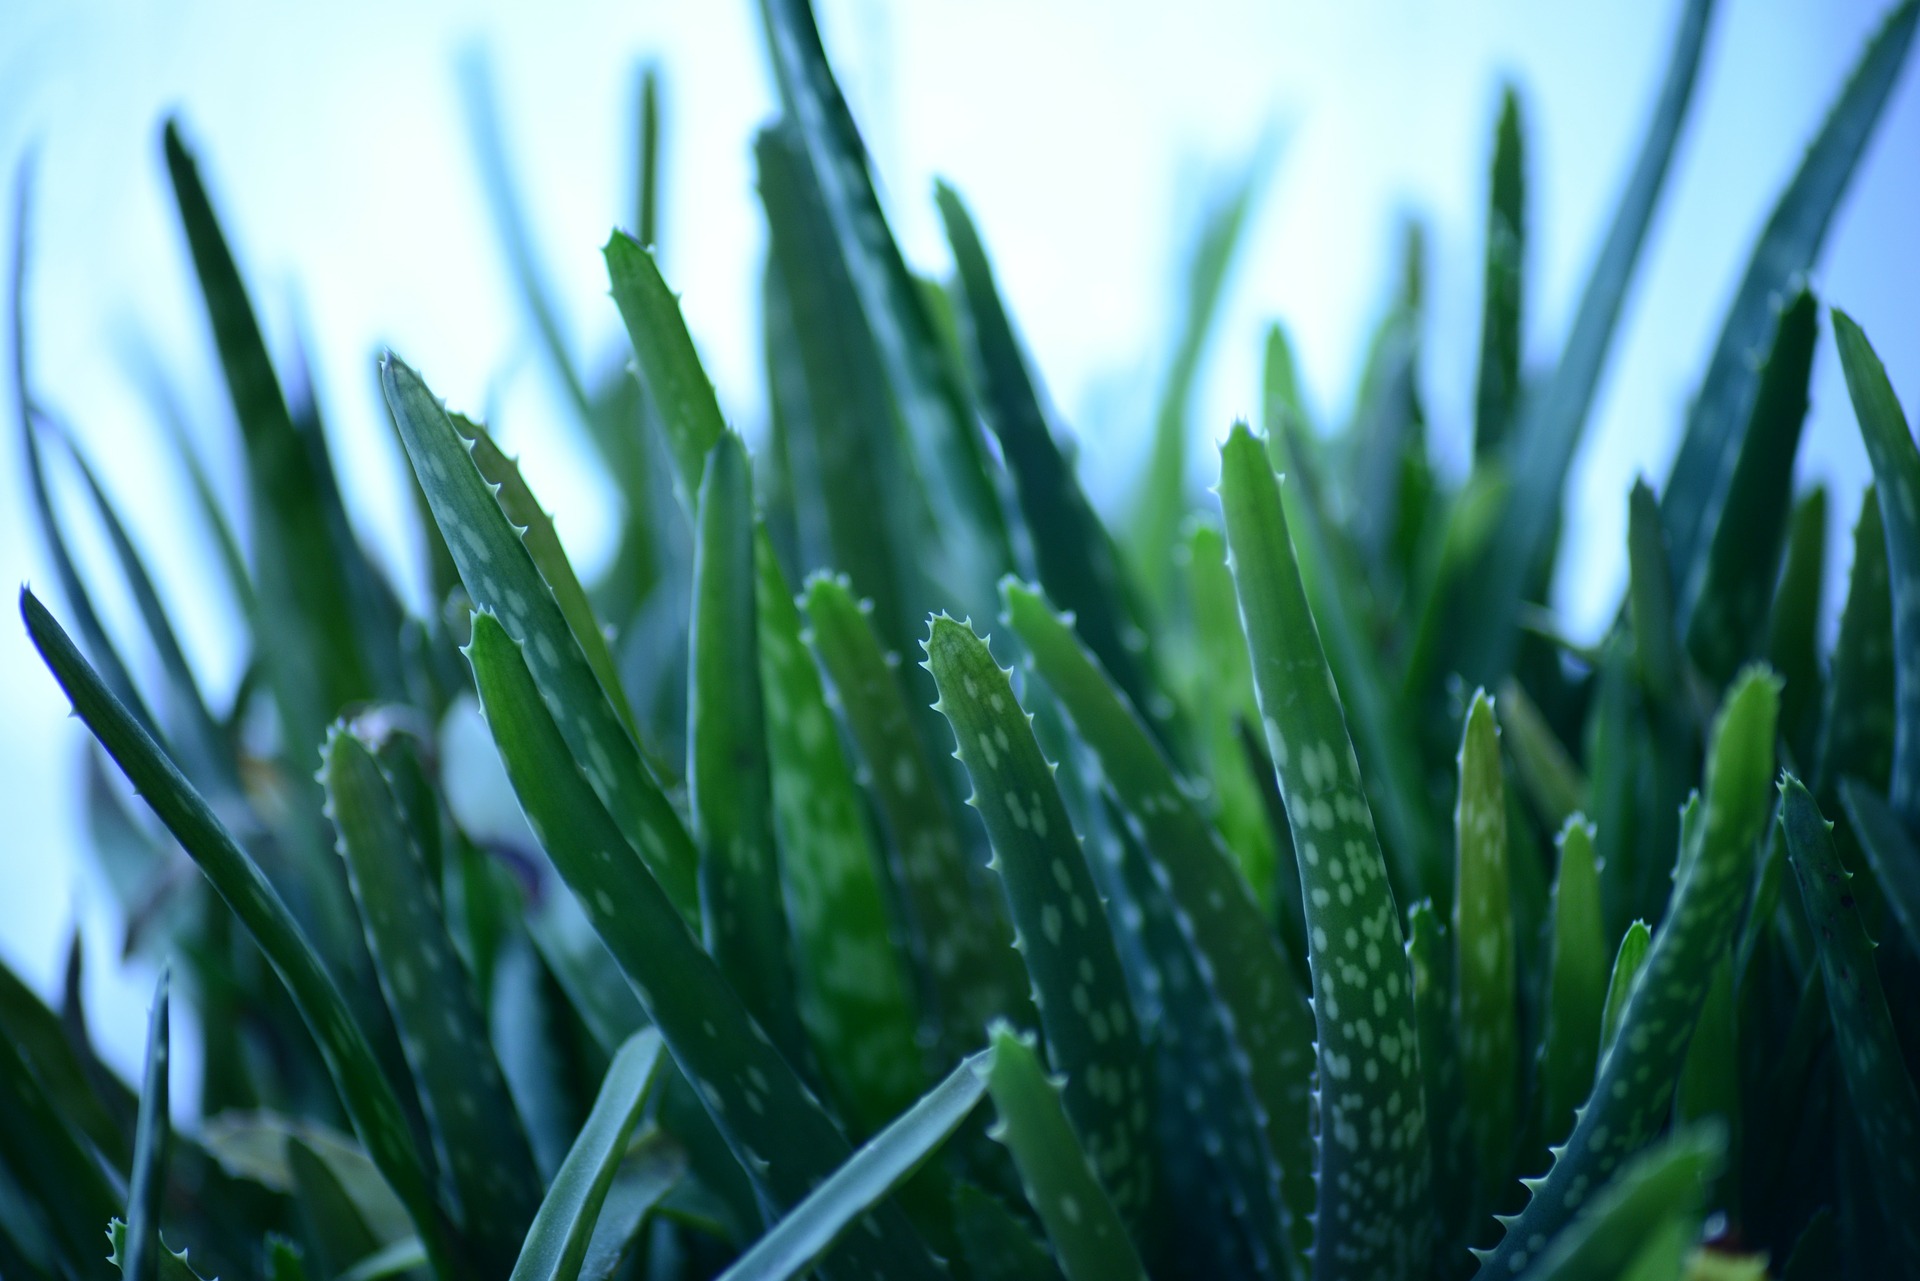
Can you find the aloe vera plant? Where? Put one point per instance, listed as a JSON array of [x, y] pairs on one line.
[[1297, 902]]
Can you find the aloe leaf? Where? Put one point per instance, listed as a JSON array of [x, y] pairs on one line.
[[1816, 1254], [1546, 436], [341, 1236], [853, 990], [944, 436], [1893, 855], [960, 928], [49, 1162], [873, 1173], [1484, 951], [1088, 1236], [1725, 589], [500, 575], [1709, 1084], [996, 1245], [255, 1146], [172, 1265], [653, 1168], [393, 1260], [369, 1099], [1430, 964], [1503, 306], [1576, 982], [1793, 624], [1268, 1026], [1710, 445], [1662, 1184], [480, 1141], [1372, 1211], [1882, 1094], [96, 1106], [1650, 603], [1896, 471], [773, 1124], [1060, 926], [549, 558], [1857, 718], [284, 1260], [1223, 695], [1072, 551], [1635, 1085], [140, 1261], [1627, 961], [646, 178], [309, 603], [1548, 775], [556, 1243]]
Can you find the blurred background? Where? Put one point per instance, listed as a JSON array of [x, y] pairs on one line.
[[1089, 139]]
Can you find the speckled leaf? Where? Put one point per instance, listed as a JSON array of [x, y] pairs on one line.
[[1430, 962], [960, 928], [775, 1127], [479, 1140], [1503, 297], [1576, 983], [1710, 445], [1269, 1029], [500, 575], [1373, 1212], [854, 999], [1882, 1094], [1893, 855], [1856, 720], [556, 1243], [1060, 927], [1726, 588], [1634, 1089], [1057, 1172], [369, 1099], [1896, 472], [1484, 952], [1627, 960], [141, 1259], [809, 1230], [729, 783]]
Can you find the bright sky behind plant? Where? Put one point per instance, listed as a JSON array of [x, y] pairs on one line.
[[1085, 135]]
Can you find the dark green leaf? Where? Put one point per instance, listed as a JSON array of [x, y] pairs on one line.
[[1484, 975], [173, 1265], [997, 1246], [1793, 625], [140, 1261], [1893, 855], [1856, 721], [1503, 301], [1576, 983]]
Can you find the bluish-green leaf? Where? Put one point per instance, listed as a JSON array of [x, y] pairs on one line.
[[1793, 625], [1627, 960], [869, 1176], [556, 1243], [1430, 964], [1373, 1212], [996, 1245], [140, 1261], [1891, 852], [1856, 720], [1503, 297], [1486, 987], [173, 1264], [1576, 983]]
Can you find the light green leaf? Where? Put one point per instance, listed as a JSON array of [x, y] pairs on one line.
[[1484, 952], [1576, 983], [1627, 960]]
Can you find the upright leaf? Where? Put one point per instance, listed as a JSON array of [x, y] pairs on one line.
[[1663, 1184], [1503, 299], [1484, 953], [1891, 853], [1576, 983], [1793, 625], [141, 1260], [1373, 1211], [1627, 961], [1857, 719]]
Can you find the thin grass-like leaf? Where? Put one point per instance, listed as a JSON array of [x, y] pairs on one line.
[[1634, 1088], [95, 1108], [1793, 625], [1576, 983], [1057, 1172], [1546, 770], [880, 1166], [1373, 1212], [1430, 963], [369, 1099], [153, 1137], [1856, 719], [500, 574], [1881, 1091], [556, 1243], [775, 1127], [1503, 300]]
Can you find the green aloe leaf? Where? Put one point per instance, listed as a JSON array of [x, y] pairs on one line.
[[1881, 1092], [1634, 1089], [1726, 588], [341, 1236], [960, 931], [1547, 435], [1896, 471], [1430, 961], [1374, 1180], [500, 574], [853, 987], [996, 1245], [284, 1260], [1576, 982], [172, 1264], [1268, 1027], [1088, 1236], [775, 1127], [1666, 1183], [557, 1242], [941, 429], [1710, 446], [1484, 952], [729, 782], [871, 1175], [369, 1099], [54, 1169], [35, 1033], [1627, 960], [1857, 718], [1503, 305], [479, 1139], [1893, 855], [1547, 772], [1650, 603], [646, 178], [141, 1260], [1793, 625], [1060, 926], [1072, 551]]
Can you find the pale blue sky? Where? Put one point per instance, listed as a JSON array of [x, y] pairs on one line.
[[1080, 132]]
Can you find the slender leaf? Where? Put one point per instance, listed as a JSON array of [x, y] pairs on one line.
[[1857, 719], [1793, 624], [1628, 959], [140, 1261], [556, 1243], [1503, 305], [1430, 962], [1891, 853], [173, 1264], [1547, 772], [1664, 1183], [1576, 983], [1650, 603], [1484, 952], [1372, 1216]]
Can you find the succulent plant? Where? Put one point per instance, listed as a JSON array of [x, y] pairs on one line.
[[1275, 893]]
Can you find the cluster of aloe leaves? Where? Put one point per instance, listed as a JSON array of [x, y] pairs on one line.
[[1370, 930]]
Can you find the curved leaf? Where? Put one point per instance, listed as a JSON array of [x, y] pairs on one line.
[[1664, 1183]]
